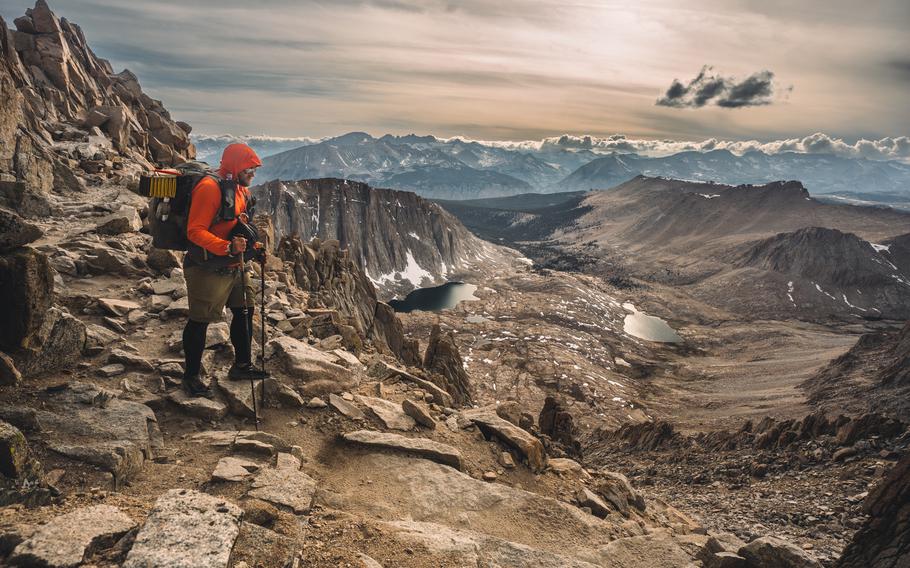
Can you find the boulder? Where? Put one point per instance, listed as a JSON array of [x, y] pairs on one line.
[[389, 413], [444, 361], [14, 452], [556, 422], [346, 408], [239, 395], [419, 412], [616, 489], [284, 487], [230, 468], [316, 372], [529, 447], [117, 307], [186, 529], [26, 292], [162, 260], [202, 407], [15, 231], [58, 343], [440, 396], [773, 551], [126, 220], [91, 424], [589, 499], [9, 374], [422, 447], [66, 539], [657, 550]]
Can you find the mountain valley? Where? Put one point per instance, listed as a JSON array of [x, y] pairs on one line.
[[658, 373]]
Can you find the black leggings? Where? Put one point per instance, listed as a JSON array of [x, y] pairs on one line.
[[241, 339]]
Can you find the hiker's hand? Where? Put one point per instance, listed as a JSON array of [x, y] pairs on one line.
[[238, 245], [260, 251]]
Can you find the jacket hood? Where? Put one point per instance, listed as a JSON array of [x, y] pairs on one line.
[[236, 158]]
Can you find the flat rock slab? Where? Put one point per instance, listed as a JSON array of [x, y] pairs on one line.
[[239, 395], [64, 541], [286, 487], [92, 424], [429, 449], [521, 440], [436, 493], [419, 413], [202, 407], [773, 551], [477, 549], [186, 529], [389, 413], [233, 469], [115, 307], [316, 372], [440, 396], [346, 408]]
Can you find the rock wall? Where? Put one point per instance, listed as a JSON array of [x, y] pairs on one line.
[[884, 541], [400, 240], [67, 117]]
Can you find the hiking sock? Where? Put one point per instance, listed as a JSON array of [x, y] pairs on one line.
[[242, 336], [193, 345]]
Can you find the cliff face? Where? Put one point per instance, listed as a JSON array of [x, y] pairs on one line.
[[400, 240], [67, 117]]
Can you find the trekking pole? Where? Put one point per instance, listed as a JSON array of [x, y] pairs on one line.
[[249, 334], [262, 312]]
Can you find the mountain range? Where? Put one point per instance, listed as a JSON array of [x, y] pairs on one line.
[[461, 169]]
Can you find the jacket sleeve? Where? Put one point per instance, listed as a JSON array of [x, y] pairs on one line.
[[203, 210]]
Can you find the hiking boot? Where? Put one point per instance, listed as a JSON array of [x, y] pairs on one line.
[[195, 387], [246, 372]]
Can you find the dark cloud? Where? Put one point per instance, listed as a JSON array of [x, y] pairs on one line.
[[901, 67], [710, 88]]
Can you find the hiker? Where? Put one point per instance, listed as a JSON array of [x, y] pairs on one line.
[[213, 268]]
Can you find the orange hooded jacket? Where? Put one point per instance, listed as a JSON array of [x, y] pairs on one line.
[[201, 228]]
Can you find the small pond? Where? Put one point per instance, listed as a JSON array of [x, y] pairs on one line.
[[436, 298], [651, 328]]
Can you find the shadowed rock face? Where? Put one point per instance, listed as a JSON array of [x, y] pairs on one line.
[[444, 361], [400, 240], [335, 281], [839, 263], [884, 541], [65, 110]]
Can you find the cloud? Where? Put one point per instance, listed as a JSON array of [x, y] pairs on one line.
[[895, 148], [726, 92]]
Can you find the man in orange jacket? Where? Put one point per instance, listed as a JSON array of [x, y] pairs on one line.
[[215, 275]]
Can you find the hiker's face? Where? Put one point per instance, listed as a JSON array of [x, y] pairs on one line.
[[245, 177]]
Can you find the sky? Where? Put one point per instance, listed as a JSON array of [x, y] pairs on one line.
[[514, 69]]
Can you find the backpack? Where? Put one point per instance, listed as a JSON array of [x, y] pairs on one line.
[[170, 192]]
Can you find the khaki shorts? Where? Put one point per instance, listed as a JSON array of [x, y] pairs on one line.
[[208, 292]]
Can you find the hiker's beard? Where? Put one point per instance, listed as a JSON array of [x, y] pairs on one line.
[[245, 179]]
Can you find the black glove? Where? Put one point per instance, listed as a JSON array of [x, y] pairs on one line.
[[249, 232]]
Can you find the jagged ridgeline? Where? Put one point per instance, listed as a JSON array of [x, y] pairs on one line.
[[68, 119], [399, 239]]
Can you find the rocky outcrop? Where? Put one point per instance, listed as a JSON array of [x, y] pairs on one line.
[[884, 540], [556, 422], [443, 361], [400, 240], [65, 111], [873, 374], [846, 270], [335, 282]]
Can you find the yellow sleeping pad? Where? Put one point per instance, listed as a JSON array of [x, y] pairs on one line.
[[158, 186]]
